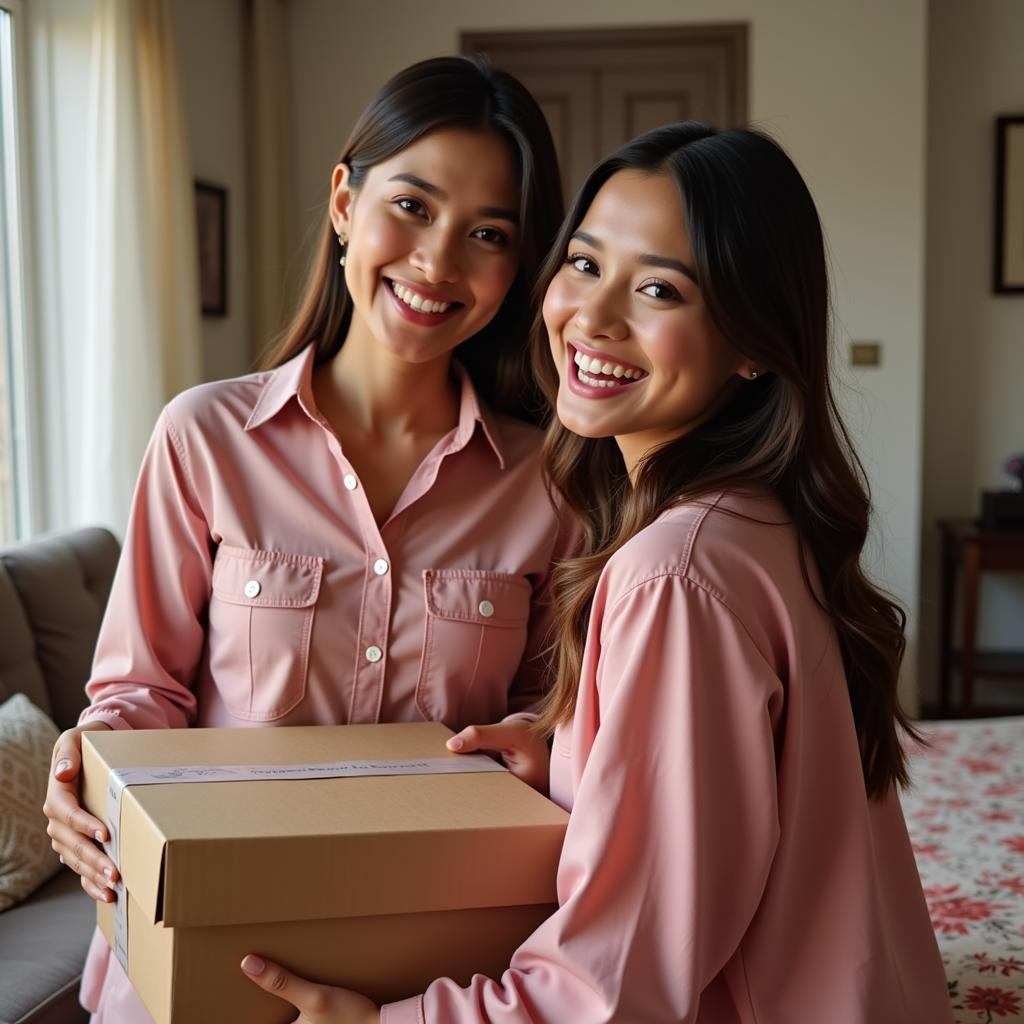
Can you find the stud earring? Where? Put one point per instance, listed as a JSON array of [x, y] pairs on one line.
[[344, 245], [753, 374]]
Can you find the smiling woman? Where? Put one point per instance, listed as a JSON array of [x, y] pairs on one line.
[[431, 242], [415, 149], [727, 735], [301, 536], [625, 309]]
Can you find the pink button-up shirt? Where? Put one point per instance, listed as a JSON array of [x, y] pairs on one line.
[[255, 587], [723, 864]]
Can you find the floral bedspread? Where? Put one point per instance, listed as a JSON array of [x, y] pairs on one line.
[[965, 811]]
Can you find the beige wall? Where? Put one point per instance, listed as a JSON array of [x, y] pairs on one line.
[[974, 372], [210, 46], [841, 84]]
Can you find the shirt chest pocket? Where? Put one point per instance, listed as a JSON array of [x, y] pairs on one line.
[[473, 640], [261, 621]]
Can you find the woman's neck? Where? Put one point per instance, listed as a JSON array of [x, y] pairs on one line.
[[384, 397]]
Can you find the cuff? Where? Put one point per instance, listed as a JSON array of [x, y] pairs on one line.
[[110, 716], [408, 1011]]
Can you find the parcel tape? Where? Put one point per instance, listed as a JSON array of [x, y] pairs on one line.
[[121, 778]]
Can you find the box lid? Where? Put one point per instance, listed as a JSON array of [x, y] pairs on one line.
[[273, 850]]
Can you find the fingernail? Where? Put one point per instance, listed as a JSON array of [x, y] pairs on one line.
[[108, 874], [62, 766], [253, 965], [455, 743], [99, 835]]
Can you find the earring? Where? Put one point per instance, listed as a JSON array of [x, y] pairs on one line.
[[344, 245], [753, 374]]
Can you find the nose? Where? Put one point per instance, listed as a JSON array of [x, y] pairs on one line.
[[600, 316], [437, 257]]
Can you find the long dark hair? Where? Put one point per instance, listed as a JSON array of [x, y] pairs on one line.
[[447, 92], [759, 257]]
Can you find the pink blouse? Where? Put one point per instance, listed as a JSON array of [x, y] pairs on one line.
[[255, 587], [723, 864]]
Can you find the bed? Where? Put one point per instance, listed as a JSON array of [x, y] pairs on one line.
[[965, 811]]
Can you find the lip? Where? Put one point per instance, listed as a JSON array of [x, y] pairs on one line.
[[577, 387], [413, 316]]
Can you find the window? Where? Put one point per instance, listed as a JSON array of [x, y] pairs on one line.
[[13, 475]]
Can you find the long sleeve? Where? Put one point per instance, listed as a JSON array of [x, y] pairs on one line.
[[673, 829], [153, 633]]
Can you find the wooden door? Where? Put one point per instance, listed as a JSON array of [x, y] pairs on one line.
[[599, 88]]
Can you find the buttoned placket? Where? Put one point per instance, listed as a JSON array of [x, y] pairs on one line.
[[371, 658], [371, 661], [374, 618]]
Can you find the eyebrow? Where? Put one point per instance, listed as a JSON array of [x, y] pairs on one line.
[[647, 259], [500, 212]]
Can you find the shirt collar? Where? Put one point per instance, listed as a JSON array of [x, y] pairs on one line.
[[294, 379], [289, 380], [472, 411]]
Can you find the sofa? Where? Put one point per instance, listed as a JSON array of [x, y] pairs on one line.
[[52, 595]]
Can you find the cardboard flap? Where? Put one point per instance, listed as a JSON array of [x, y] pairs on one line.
[[142, 861]]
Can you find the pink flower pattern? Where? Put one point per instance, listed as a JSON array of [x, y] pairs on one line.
[[965, 812]]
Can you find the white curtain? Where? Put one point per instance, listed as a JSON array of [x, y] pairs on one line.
[[270, 220], [119, 324]]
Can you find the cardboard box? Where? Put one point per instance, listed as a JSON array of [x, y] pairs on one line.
[[380, 883]]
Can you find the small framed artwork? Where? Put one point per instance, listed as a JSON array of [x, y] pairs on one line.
[[1009, 226], [212, 224]]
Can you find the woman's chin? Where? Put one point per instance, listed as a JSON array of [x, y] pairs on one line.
[[592, 427]]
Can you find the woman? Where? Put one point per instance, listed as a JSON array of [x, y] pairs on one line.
[[361, 533], [727, 728]]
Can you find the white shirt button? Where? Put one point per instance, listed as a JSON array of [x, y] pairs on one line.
[[374, 653], [350, 482], [253, 588], [486, 609], [380, 567]]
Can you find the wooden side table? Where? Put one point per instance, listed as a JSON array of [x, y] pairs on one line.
[[979, 550]]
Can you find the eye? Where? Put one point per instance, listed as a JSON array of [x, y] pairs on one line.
[[584, 264], [492, 236], [410, 205], [660, 290]]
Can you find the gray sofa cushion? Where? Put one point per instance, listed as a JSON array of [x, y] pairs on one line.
[[63, 583], [43, 943], [19, 670]]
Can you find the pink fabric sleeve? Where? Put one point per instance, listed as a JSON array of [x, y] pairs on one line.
[[530, 685], [152, 635], [673, 829]]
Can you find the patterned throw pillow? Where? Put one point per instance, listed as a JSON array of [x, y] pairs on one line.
[[27, 737]]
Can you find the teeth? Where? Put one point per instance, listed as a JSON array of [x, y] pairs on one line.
[[595, 382], [417, 302], [586, 363]]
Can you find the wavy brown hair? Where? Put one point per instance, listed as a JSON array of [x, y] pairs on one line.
[[447, 92], [759, 257]]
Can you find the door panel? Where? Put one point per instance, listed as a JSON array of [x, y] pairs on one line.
[[569, 102], [599, 88]]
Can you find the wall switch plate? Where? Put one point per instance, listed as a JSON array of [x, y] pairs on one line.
[[865, 353]]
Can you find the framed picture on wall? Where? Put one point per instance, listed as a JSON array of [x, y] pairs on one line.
[[1009, 226], [212, 225]]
